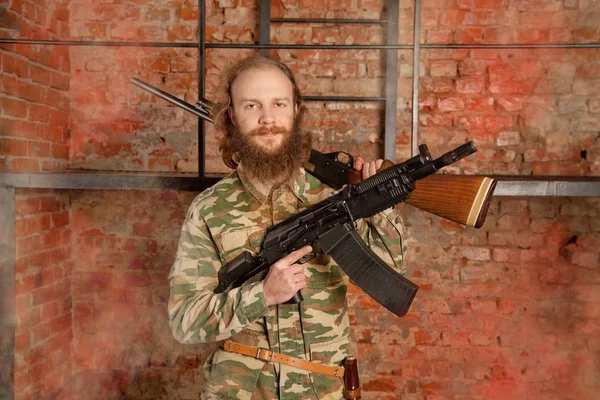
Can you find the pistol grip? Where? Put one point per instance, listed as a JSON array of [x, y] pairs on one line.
[[297, 298]]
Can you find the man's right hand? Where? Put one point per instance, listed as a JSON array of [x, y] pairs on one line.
[[285, 278]]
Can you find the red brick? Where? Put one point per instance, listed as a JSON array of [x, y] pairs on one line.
[[180, 33], [60, 81], [15, 65], [585, 35], [60, 151], [60, 220], [440, 69], [13, 147], [471, 253], [379, 385], [188, 13], [451, 104], [471, 85], [15, 108], [40, 75], [38, 149], [28, 226], [49, 311], [93, 278], [38, 112]]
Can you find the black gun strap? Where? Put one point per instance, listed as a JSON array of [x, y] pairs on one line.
[[367, 270]]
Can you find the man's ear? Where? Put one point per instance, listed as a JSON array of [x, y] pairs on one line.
[[230, 112]]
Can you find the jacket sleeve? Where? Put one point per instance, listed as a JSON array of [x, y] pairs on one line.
[[196, 314], [384, 234]]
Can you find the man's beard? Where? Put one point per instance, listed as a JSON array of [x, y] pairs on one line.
[[271, 165]]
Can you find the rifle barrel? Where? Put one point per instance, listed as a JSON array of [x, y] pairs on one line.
[[172, 99]]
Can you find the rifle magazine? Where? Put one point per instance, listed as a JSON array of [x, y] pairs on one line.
[[368, 271]]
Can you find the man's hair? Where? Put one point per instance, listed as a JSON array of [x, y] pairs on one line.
[[220, 114]]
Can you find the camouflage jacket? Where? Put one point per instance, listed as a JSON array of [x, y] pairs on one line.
[[231, 217]]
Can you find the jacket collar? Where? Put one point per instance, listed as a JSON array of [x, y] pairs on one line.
[[262, 190]]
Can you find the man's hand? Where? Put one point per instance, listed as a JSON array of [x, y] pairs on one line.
[[367, 168], [285, 278]]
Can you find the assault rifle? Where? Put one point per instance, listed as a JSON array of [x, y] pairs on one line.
[[330, 224], [464, 199]]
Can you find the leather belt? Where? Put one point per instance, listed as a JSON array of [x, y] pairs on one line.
[[271, 356]]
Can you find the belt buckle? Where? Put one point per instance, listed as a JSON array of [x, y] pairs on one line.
[[259, 356]]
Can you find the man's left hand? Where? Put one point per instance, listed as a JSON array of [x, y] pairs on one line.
[[367, 168]]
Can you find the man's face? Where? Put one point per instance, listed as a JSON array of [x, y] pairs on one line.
[[263, 107]]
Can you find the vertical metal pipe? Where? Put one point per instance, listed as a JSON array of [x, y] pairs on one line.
[[7, 293], [201, 84], [264, 34], [391, 79], [416, 76]]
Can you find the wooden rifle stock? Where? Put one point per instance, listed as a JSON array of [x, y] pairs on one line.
[[464, 199]]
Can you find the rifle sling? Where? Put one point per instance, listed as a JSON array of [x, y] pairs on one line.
[[367, 270]]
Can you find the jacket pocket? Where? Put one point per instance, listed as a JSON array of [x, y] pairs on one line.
[[232, 243], [331, 353], [231, 376]]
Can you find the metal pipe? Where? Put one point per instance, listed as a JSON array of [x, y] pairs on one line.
[[330, 21], [7, 292], [300, 46], [96, 43], [264, 29], [414, 133], [201, 86], [391, 82], [341, 98]]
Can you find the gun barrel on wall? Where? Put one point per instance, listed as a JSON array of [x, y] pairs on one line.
[[202, 113]]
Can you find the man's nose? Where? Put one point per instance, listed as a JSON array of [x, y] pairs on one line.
[[267, 116]]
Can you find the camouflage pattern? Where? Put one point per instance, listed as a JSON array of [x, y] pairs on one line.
[[232, 217]]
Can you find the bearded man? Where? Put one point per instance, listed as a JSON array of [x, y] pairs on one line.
[[263, 143]]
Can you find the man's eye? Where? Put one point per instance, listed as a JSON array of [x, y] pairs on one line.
[[251, 105], [279, 104]]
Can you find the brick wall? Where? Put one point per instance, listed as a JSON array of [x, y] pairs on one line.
[[122, 343], [43, 313], [508, 311], [34, 106], [529, 111], [34, 136], [116, 125]]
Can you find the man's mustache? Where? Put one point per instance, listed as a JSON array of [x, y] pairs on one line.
[[263, 130]]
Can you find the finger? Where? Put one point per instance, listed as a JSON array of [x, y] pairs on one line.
[[379, 163], [295, 270], [295, 256], [373, 168], [366, 171], [358, 163]]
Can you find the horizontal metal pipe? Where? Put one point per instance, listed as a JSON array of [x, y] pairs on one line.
[[300, 46], [512, 46], [330, 21], [308, 46], [96, 43], [341, 98]]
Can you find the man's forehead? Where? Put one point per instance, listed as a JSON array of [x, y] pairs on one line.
[[262, 75]]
